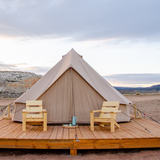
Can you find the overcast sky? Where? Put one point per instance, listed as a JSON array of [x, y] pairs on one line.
[[114, 36]]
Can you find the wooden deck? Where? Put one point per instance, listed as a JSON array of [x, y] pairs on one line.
[[130, 135]]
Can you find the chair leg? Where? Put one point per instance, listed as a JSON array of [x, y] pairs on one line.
[[112, 122], [45, 122], [116, 124], [91, 121], [23, 121]]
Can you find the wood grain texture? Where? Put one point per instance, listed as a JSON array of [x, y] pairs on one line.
[[130, 135]]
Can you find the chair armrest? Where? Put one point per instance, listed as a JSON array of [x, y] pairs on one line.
[[24, 110], [113, 111], [95, 111], [44, 110]]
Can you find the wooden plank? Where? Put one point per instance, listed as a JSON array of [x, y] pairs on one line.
[[137, 131], [45, 122], [24, 133], [107, 133], [54, 133], [36, 132], [5, 126], [36, 144], [34, 116], [23, 120], [150, 124], [48, 132], [92, 120], [155, 130], [71, 133], [118, 134], [99, 119], [79, 135], [67, 126], [41, 134], [34, 109], [73, 152], [89, 133], [130, 135], [117, 143], [36, 103], [142, 130], [31, 132], [112, 123], [110, 103], [82, 144], [8, 129], [141, 143], [109, 110], [15, 133], [97, 144], [96, 134], [4, 123], [131, 131], [124, 134], [11, 130], [65, 133], [60, 132], [83, 133], [103, 135]]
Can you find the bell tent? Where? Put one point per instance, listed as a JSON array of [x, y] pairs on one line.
[[72, 88]]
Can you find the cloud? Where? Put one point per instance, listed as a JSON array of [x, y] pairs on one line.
[[4, 66], [114, 79], [37, 69], [8, 67], [81, 20], [24, 67], [133, 79]]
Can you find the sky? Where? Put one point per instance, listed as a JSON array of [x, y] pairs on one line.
[[120, 39]]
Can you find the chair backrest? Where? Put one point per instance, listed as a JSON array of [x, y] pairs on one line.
[[109, 106], [34, 109]]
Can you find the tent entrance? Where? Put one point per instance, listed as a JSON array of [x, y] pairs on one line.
[[70, 96]]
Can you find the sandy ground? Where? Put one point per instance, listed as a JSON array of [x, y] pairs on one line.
[[4, 103], [141, 154], [149, 104]]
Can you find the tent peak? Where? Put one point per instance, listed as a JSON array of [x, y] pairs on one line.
[[72, 52]]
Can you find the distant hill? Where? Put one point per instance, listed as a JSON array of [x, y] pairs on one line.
[[15, 83], [152, 89]]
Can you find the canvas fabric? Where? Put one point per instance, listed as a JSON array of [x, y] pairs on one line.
[[58, 88], [68, 94]]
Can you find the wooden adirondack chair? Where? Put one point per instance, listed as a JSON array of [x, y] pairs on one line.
[[107, 116], [34, 114]]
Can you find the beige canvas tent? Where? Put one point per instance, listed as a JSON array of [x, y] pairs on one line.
[[72, 88]]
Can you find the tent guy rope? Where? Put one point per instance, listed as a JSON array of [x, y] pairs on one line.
[[144, 114], [137, 122]]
